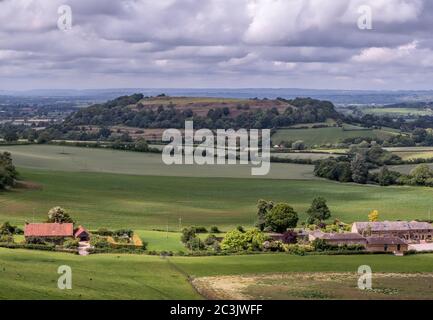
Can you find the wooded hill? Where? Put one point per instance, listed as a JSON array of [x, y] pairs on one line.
[[171, 112]]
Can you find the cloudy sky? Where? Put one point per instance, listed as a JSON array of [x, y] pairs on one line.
[[216, 43]]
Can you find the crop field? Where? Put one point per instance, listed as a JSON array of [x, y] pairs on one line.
[[75, 159], [323, 136], [151, 202], [28, 274]]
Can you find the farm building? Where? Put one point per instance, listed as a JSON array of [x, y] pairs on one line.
[[386, 244], [49, 230], [338, 239], [55, 231], [410, 231], [82, 234]]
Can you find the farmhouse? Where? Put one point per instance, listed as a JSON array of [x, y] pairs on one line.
[[386, 244], [410, 231], [339, 239], [49, 230]]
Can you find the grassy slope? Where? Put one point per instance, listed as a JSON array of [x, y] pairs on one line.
[[147, 202], [322, 136], [33, 275], [75, 159]]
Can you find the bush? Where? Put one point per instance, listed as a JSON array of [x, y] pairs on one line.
[[71, 244], [210, 240], [289, 237], [214, 229], [251, 240], [200, 229], [35, 240], [7, 228], [99, 242], [104, 232], [6, 238], [123, 233], [240, 228], [195, 244], [273, 246]]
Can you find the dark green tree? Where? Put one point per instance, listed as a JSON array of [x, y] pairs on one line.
[[318, 211], [359, 169], [263, 207], [281, 217]]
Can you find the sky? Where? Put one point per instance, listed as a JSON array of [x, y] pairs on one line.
[[216, 44]]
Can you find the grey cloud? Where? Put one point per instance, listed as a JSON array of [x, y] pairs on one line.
[[256, 43]]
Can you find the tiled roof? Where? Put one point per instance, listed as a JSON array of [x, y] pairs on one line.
[[79, 231], [337, 236], [49, 230], [393, 226]]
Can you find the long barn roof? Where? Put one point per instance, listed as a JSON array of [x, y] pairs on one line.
[[49, 230]]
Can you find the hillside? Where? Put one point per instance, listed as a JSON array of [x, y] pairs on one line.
[[171, 112]]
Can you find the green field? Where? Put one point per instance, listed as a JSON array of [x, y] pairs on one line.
[[399, 111], [76, 159], [33, 275], [323, 136], [148, 202], [408, 153]]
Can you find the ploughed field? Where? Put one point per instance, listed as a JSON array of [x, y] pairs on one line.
[[26, 274]]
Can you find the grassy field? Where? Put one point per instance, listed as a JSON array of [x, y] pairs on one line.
[[409, 153], [398, 111], [76, 159], [323, 136], [148, 202], [33, 274]]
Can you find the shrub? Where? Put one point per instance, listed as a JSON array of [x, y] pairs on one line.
[[99, 242], [7, 228], [35, 240], [210, 240], [251, 240], [6, 238], [214, 229], [200, 229], [281, 217], [123, 233], [273, 246], [71, 243], [195, 244], [104, 232], [289, 237], [240, 228]]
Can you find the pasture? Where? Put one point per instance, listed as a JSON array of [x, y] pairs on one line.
[[324, 136], [409, 153], [76, 159], [152, 202], [399, 111], [28, 274]]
